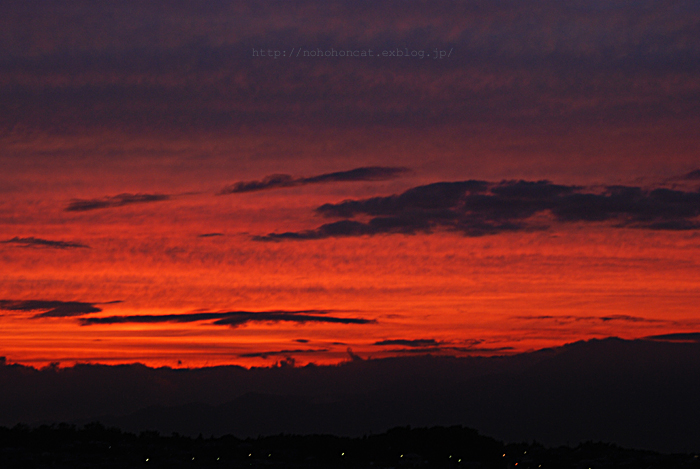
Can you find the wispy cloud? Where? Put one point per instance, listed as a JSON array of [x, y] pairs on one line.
[[568, 319], [628, 318], [450, 349], [692, 176], [51, 309], [280, 352], [409, 342], [276, 181], [432, 346], [231, 318], [43, 243], [238, 319], [83, 205], [676, 337], [477, 208]]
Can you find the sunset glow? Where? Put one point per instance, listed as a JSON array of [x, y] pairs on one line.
[[148, 174]]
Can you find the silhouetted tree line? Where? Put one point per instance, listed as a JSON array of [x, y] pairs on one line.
[[95, 445]]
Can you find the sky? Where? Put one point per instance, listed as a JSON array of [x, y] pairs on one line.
[[187, 184]]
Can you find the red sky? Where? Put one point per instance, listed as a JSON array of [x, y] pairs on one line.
[[122, 123]]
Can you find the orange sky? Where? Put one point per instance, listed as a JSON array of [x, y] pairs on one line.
[[500, 293], [173, 107]]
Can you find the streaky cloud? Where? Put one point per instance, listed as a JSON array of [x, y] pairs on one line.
[[84, 205], [408, 342], [481, 349], [478, 208], [52, 309], [230, 318], [365, 173], [243, 318], [337, 229], [431, 197], [567, 319], [151, 318], [280, 352], [417, 350], [627, 318], [443, 350], [273, 181], [692, 175], [276, 181], [425, 346], [691, 337], [46, 243]]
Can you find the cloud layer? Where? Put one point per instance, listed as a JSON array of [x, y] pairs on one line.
[[280, 352], [408, 342], [43, 243], [51, 309], [275, 181], [546, 62], [231, 318], [681, 337], [84, 205], [568, 319], [692, 175], [477, 208]]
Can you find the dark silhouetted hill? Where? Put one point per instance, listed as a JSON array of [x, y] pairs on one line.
[[639, 394], [66, 446]]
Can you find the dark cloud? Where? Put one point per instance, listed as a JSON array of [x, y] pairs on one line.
[[627, 318], [280, 352], [83, 205], [148, 318], [408, 342], [337, 229], [240, 318], [38, 242], [275, 181], [209, 235], [481, 349], [565, 319], [440, 196], [51, 309], [302, 341], [231, 318], [677, 337], [367, 173], [418, 351], [431, 346], [476, 208], [692, 176]]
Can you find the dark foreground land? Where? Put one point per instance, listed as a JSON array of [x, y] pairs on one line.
[[67, 446]]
